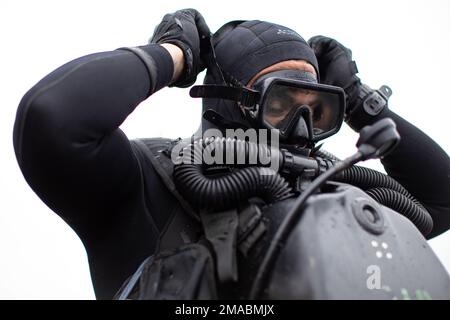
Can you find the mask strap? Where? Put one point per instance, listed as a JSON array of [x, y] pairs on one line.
[[246, 97], [210, 60], [221, 122]]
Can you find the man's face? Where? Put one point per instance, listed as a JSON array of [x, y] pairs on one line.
[[282, 102], [280, 105]]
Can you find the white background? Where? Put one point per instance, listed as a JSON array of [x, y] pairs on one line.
[[405, 44]]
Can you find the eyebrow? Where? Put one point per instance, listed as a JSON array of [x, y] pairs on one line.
[[294, 93]]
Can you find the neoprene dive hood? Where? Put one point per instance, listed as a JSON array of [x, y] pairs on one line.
[[241, 50]]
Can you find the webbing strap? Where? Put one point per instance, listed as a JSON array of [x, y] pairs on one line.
[[134, 279], [164, 167]]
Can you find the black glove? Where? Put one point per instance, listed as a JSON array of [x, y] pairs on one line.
[[337, 67], [188, 30]]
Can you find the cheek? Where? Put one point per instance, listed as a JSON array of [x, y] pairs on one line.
[[272, 120]]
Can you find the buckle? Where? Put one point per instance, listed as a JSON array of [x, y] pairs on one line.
[[375, 102]]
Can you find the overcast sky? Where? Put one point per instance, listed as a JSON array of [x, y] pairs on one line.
[[404, 44]]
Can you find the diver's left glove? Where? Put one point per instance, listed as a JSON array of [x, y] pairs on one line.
[[338, 69], [188, 30]]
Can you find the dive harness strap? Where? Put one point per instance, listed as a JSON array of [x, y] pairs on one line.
[[221, 231], [230, 230], [164, 167]]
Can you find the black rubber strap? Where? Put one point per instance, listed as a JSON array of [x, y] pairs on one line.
[[245, 96]]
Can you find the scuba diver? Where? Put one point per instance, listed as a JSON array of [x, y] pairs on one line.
[[158, 229]]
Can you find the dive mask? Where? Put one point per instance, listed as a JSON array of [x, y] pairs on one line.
[[290, 101]]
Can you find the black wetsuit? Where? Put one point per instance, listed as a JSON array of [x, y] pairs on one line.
[[74, 156]]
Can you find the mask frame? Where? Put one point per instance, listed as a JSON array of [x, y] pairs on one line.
[[252, 100], [264, 88]]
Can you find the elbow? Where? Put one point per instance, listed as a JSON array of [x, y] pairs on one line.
[[35, 126]]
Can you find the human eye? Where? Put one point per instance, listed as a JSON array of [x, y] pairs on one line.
[[317, 112], [279, 104], [276, 108]]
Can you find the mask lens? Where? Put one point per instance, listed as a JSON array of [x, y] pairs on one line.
[[283, 100]]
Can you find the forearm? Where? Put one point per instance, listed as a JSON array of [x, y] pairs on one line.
[[91, 96], [66, 134]]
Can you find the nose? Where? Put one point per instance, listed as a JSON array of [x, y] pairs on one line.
[[302, 132]]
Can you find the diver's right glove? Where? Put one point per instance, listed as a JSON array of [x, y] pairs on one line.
[[186, 29], [338, 69]]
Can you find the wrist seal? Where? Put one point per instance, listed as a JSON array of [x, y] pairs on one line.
[[158, 64]]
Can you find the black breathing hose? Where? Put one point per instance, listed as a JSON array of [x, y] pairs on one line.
[[386, 190], [226, 191], [366, 178], [326, 155], [253, 180], [398, 202]]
